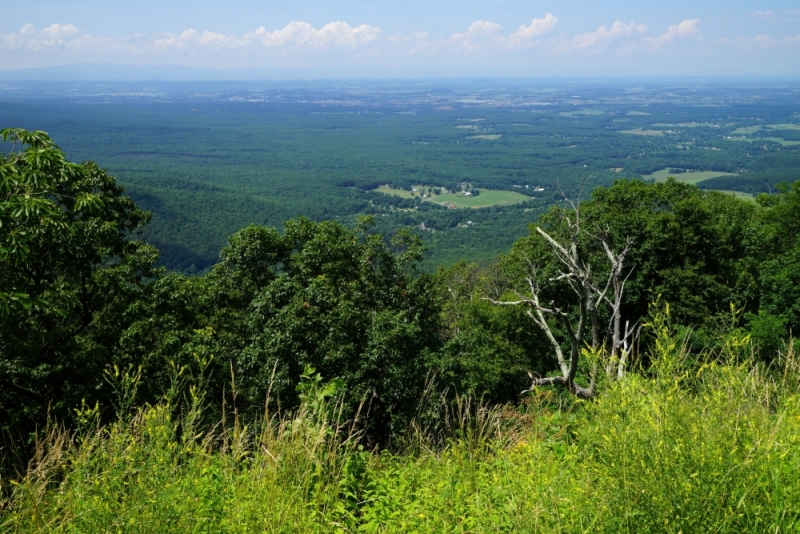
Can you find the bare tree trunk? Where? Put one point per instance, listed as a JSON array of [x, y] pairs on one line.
[[578, 275]]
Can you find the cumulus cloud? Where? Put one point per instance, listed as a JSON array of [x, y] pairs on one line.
[[479, 33], [536, 28], [303, 35], [295, 35], [489, 36], [53, 36], [687, 28], [191, 38], [603, 35]]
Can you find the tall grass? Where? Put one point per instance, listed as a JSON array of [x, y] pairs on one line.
[[708, 444]]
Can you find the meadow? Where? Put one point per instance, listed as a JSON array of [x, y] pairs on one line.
[[486, 198], [683, 445], [689, 177]]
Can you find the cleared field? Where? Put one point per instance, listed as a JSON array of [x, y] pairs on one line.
[[397, 192], [687, 125], [639, 113], [582, 112], [780, 140], [784, 126], [487, 197], [747, 129], [783, 141], [490, 137], [686, 177], [639, 131]]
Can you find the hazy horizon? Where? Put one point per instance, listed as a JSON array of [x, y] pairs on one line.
[[444, 38]]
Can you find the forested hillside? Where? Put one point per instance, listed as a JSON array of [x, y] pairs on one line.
[[209, 159], [625, 366]]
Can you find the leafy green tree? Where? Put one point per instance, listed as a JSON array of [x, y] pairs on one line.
[[68, 272], [342, 301], [697, 249]]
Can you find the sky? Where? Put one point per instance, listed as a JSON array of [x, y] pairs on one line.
[[413, 38]]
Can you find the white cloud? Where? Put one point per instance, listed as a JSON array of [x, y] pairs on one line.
[[687, 28], [489, 36], [479, 33], [603, 35], [295, 35], [54, 36], [303, 35], [536, 28]]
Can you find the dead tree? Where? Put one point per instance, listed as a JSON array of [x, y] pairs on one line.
[[576, 271]]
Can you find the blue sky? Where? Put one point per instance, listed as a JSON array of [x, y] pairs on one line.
[[413, 38]]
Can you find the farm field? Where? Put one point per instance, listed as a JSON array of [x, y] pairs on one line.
[[685, 177], [486, 198], [779, 140], [586, 112], [640, 131], [744, 130], [402, 193]]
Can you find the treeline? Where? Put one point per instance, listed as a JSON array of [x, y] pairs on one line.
[[83, 302]]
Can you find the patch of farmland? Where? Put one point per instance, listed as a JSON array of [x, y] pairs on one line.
[[397, 192], [744, 130], [490, 137], [582, 112], [639, 131], [486, 198], [688, 177]]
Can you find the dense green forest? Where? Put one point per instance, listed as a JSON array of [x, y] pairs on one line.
[[627, 365], [209, 159]]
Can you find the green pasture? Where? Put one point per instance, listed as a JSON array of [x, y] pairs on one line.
[[685, 177], [397, 192], [486, 198], [781, 140], [747, 130], [583, 112], [639, 113], [686, 125], [639, 131], [784, 126]]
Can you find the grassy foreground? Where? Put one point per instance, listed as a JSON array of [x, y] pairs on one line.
[[687, 445]]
